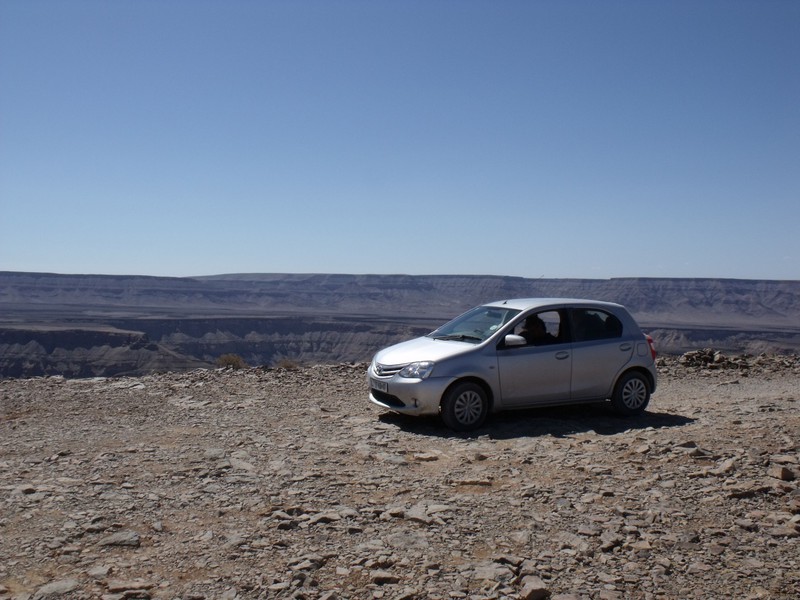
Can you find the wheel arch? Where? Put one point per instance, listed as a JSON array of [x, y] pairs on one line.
[[642, 371], [470, 379]]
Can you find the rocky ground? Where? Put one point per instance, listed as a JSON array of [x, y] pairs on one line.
[[286, 483]]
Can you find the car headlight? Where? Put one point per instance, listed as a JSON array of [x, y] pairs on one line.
[[417, 370]]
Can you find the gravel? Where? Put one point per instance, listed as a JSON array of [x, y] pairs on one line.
[[287, 483]]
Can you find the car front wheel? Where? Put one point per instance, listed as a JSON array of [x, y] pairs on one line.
[[465, 407], [631, 395]]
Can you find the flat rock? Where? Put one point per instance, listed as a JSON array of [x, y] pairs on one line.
[[121, 538], [56, 589]]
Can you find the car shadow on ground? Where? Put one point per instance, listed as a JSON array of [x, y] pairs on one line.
[[558, 421]]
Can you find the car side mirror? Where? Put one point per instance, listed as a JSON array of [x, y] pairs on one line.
[[514, 340]]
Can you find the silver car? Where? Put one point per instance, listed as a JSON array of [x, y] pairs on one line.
[[518, 354]]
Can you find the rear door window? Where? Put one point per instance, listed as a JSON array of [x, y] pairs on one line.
[[594, 324]]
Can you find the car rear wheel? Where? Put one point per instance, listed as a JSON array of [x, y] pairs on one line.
[[632, 394], [465, 407]]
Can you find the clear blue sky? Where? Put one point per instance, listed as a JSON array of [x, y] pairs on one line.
[[531, 138]]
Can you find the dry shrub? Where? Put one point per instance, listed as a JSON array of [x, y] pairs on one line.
[[288, 364], [231, 361]]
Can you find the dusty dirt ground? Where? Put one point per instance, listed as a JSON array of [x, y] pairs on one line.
[[288, 484]]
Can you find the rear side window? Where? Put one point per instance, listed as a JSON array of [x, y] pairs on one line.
[[593, 324]]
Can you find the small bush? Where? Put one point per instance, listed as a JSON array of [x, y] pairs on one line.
[[231, 361], [288, 364]]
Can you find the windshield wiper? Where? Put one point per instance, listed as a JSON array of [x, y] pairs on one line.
[[460, 337]]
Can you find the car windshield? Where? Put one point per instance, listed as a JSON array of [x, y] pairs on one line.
[[475, 325]]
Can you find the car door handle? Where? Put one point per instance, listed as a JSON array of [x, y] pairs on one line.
[[562, 355], [625, 347]]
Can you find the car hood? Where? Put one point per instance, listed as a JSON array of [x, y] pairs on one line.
[[422, 348]]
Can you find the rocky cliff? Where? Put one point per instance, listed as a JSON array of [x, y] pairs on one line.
[[83, 325]]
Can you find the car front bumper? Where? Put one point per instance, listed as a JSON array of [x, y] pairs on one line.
[[408, 396]]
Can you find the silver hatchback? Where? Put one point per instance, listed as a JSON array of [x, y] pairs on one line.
[[518, 354]]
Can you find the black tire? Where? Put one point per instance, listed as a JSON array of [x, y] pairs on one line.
[[465, 406], [631, 394]]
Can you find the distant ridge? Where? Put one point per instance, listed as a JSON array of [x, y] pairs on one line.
[[264, 317]]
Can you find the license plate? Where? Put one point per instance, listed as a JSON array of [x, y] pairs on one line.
[[381, 386]]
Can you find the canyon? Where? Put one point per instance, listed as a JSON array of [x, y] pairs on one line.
[[103, 325]]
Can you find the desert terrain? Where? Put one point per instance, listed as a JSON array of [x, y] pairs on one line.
[[287, 483]]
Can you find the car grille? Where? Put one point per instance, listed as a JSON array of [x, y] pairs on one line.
[[387, 399], [387, 370]]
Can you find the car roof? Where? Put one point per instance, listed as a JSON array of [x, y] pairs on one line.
[[531, 303]]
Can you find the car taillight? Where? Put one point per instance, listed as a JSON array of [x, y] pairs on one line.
[[652, 346]]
